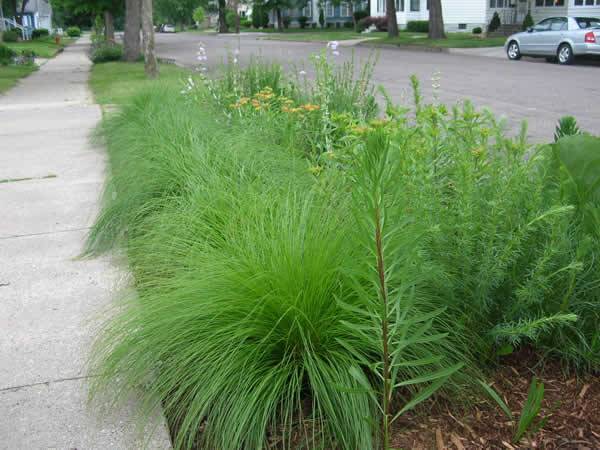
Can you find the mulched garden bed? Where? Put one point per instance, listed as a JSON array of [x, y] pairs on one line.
[[571, 404]]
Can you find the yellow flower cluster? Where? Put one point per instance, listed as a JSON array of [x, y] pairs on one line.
[[266, 99], [302, 108]]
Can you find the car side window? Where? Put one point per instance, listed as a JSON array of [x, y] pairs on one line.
[[558, 24], [544, 25]]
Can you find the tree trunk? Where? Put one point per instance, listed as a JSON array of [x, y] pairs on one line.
[[392, 21], [133, 22], [150, 66], [279, 19], [223, 28], [436, 20], [109, 27], [235, 6]]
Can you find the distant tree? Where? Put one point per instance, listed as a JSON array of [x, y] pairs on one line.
[[321, 15], [222, 10], [9, 7], [436, 20], [494, 23], [107, 8], [392, 20], [176, 11], [199, 15], [528, 21], [260, 14], [150, 63], [133, 24]]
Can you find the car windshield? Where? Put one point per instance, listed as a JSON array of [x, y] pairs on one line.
[[588, 22]]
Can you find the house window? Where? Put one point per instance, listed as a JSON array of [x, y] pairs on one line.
[[345, 10], [381, 6], [550, 3], [462, 26], [399, 5], [307, 10], [492, 4], [329, 11], [415, 5]]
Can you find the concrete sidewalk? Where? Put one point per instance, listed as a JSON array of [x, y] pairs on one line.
[[50, 302]]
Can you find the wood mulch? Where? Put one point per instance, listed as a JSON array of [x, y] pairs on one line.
[[571, 406]]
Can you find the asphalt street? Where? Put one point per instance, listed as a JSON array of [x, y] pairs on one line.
[[530, 90]]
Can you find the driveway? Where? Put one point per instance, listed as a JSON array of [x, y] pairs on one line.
[[531, 90]]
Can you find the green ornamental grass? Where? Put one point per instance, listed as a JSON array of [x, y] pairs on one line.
[[305, 273]]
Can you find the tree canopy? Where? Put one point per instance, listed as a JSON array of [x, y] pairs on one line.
[[176, 11]]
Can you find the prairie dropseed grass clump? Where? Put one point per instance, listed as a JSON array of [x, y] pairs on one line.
[[307, 271]]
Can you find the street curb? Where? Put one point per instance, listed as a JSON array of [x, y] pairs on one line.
[[414, 48]]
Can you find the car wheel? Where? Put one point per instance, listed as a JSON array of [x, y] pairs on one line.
[[513, 51], [565, 54]]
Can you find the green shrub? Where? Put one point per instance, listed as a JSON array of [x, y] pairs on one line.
[[199, 15], [231, 18], [107, 51], [566, 126], [360, 14], [11, 35], [73, 31], [25, 57], [6, 55], [40, 33], [245, 23], [348, 25], [494, 23], [302, 21], [477, 30], [417, 26], [260, 16], [379, 22], [528, 21]]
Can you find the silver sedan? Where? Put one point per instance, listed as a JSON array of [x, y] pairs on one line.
[[557, 38]]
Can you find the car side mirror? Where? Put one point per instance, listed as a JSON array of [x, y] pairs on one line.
[[530, 30]]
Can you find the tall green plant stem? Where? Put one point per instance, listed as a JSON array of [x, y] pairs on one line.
[[384, 330]]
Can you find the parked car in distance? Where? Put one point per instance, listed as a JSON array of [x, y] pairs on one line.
[[557, 38], [166, 28]]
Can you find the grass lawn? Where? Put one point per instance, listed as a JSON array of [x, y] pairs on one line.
[[455, 40], [115, 82], [43, 48], [9, 75], [313, 35]]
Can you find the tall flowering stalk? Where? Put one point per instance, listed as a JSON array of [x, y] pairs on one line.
[[389, 292]]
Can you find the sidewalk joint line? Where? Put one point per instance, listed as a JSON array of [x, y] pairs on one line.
[[43, 233], [47, 383]]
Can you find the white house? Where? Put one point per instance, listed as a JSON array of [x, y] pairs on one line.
[[464, 15], [37, 14], [335, 16]]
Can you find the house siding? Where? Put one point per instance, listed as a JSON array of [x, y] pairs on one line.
[[472, 13], [584, 11], [41, 12]]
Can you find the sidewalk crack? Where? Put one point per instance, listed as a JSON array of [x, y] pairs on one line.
[[42, 383]]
